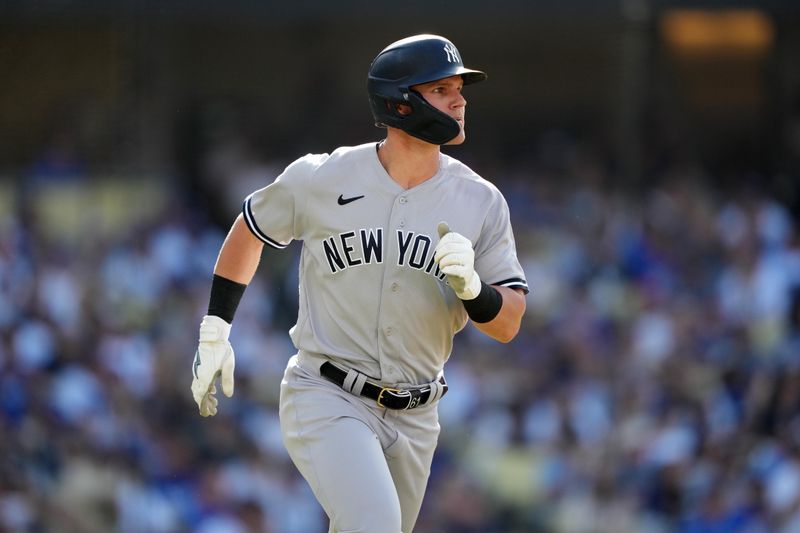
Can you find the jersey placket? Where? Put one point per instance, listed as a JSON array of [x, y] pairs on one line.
[[389, 332]]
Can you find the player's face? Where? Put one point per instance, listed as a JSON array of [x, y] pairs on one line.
[[445, 95]]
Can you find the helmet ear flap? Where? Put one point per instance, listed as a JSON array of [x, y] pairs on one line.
[[424, 121]]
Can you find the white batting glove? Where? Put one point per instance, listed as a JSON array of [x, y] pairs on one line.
[[456, 258], [214, 357]]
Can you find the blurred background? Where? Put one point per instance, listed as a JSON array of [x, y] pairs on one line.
[[650, 154]]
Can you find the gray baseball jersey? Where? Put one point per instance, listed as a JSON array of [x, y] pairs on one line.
[[371, 296]]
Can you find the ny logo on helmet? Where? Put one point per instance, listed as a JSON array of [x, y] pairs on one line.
[[452, 53]]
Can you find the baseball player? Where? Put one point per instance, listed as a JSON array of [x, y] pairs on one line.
[[402, 245]]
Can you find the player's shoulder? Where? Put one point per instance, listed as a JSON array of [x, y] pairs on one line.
[[308, 163], [341, 155], [468, 177], [349, 154]]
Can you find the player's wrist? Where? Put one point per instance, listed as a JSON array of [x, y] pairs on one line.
[[225, 297], [486, 305], [214, 329], [472, 288]]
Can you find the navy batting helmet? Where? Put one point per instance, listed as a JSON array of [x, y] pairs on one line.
[[411, 61]]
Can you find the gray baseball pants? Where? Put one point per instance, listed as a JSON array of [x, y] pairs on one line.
[[367, 466]]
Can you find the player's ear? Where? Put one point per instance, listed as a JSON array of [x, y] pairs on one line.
[[401, 109]]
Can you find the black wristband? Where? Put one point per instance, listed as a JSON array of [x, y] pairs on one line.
[[225, 297], [485, 306]]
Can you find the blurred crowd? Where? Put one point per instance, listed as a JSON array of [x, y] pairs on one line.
[[654, 386]]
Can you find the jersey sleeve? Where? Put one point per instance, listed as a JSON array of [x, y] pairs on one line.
[[495, 251], [275, 213]]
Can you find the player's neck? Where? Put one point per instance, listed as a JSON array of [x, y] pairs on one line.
[[407, 160]]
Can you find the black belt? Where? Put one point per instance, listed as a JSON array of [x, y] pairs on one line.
[[390, 398]]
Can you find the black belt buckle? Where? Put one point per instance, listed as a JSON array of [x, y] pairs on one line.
[[411, 398], [394, 393]]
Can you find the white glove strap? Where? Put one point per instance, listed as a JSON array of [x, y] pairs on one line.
[[214, 329], [473, 288]]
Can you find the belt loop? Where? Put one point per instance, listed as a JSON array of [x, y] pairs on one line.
[[354, 382], [436, 392], [349, 380], [358, 386]]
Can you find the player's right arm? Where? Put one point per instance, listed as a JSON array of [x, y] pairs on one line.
[[240, 254], [269, 216], [236, 265]]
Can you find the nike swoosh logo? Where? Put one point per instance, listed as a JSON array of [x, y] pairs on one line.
[[196, 363], [345, 201]]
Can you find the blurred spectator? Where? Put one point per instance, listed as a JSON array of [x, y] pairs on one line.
[[654, 387]]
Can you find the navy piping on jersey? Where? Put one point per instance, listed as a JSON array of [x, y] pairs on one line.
[[514, 283], [251, 223]]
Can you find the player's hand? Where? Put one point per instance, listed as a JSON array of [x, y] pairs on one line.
[[456, 258], [214, 357]]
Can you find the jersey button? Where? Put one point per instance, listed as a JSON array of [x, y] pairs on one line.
[[403, 199], [389, 331], [395, 287], [402, 223]]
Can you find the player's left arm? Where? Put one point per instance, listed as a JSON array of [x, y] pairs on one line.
[[495, 310], [505, 326]]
